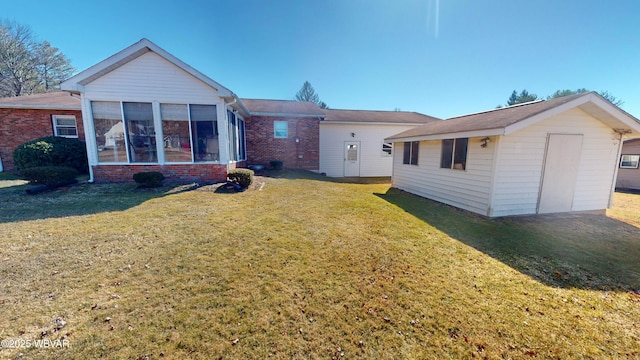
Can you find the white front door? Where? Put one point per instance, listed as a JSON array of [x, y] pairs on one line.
[[351, 158], [560, 173]]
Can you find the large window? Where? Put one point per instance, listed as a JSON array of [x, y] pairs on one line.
[[65, 126], [109, 131], [629, 161], [280, 129], [204, 132], [454, 154], [236, 137], [410, 155], [141, 134], [175, 132]]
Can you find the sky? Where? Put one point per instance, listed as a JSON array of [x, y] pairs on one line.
[[442, 58]]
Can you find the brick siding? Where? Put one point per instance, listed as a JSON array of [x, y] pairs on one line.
[[262, 147], [178, 172], [17, 126]]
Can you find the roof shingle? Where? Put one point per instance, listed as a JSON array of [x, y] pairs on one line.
[[282, 107], [57, 100], [369, 116]]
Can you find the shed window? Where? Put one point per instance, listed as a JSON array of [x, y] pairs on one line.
[[629, 161], [410, 155], [454, 154], [387, 147], [280, 129], [65, 126]]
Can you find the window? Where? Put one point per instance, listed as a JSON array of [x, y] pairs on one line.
[[454, 154], [65, 126], [141, 134], [204, 132], [280, 129], [410, 156], [387, 147], [175, 132], [629, 161], [236, 137], [109, 131]]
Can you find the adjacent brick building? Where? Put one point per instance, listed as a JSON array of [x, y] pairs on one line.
[[26, 118]]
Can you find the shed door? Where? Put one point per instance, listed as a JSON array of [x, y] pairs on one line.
[[560, 173], [352, 158]]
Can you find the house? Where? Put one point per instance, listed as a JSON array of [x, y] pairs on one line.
[[352, 141], [550, 156], [25, 118], [628, 171], [146, 110]]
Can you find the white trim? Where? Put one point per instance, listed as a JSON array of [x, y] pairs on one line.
[[467, 134]]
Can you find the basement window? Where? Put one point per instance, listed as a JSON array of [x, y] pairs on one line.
[[629, 161], [65, 126], [410, 156], [454, 154]]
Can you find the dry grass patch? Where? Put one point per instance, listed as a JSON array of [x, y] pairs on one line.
[[305, 268]]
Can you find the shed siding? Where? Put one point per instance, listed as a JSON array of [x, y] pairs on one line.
[[151, 78], [467, 189], [520, 164], [371, 137], [629, 178]]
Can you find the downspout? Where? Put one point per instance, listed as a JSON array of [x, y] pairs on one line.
[[617, 164]]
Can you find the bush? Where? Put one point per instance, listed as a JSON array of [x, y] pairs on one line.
[[276, 164], [52, 151], [148, 178], [243, 177], [50, 175]]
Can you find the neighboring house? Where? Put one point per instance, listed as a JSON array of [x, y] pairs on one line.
[[284, 130], [146, 110], [352, 141], [551, 156], [628, 171], [25, 118]]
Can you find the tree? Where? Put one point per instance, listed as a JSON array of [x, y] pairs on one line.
[[605, 94], [26, 66], [523, 97], [307, 93]]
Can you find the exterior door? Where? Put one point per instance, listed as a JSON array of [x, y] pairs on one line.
[[351, 158], [560, 173]]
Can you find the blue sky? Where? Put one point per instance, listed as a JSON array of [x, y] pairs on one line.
[[442, 58]]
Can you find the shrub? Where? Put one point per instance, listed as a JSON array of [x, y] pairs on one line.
[[50, 175], [244, 177], [52, 151], [276, 164], [148, 178]]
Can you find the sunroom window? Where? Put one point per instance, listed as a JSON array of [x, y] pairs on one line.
[[109, 131], [175, 132], [141, 132], [204, 133]]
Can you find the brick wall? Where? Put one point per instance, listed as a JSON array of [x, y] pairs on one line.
[[18, 126], [178, 172], [262, 147]]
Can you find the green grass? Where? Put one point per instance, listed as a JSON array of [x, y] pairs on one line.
[[308, 268]]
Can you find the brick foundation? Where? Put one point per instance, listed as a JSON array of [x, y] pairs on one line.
[[178, 172], [17, 126], [262, 147]]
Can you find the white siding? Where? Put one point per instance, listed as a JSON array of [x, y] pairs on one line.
[[521, 158], [467, 189], [151, 78], [370, 136]]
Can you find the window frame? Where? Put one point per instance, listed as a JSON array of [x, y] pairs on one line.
[[56, 126], [276, 130], [636, 160], [410, 154], [450, 152]]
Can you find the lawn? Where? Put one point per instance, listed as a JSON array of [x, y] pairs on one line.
[[308, 268]]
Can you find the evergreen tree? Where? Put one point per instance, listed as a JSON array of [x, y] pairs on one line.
[[307, 93]]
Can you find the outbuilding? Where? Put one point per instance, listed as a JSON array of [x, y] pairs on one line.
[[558, 155], [628, 169]]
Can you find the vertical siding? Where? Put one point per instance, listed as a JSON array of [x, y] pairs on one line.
[[520, 164], [467, 189], [372, 161], [629, 178], [151, 78]]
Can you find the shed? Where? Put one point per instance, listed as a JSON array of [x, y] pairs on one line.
[[552, 156], [352, 142], [628, 170]]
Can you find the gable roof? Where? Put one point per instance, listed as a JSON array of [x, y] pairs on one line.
[[507, 120], [380, 117], [58, 100], [282, 108], [77, 82]]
